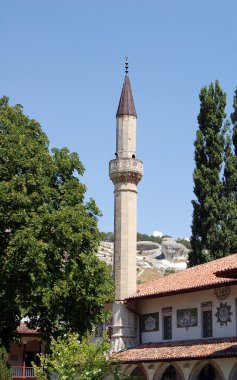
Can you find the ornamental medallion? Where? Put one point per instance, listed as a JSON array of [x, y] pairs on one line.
[[223, 314], [222, 293], [150, 322], [187, 318]]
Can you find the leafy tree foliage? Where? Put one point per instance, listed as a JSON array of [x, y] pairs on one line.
[[185, 242], [209, 150], [146, 237], [233, 117], [231, 175], [228, 242], [5, 373], [109, 236], [71, 358], [48, 234], [214, 223]]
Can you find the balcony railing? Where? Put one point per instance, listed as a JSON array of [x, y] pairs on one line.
[[22, 372]]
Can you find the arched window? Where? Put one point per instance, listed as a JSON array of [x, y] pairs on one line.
[[207, 373], [233, 374], [138, 374], [169, 374]]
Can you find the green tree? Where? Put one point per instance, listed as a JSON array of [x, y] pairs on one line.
[[229, 193], [71, 358], [228, 238], [185, 242], [5, 373], [48, 235], [107, 236], [208, 227], [231, 176], [146, 237], [233, 117]]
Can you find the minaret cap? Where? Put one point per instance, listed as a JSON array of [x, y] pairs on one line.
[[126, 104]]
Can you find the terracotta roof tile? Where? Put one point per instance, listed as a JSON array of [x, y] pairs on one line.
[[227, 272], [179, 350], [196, 278], [24, 330]]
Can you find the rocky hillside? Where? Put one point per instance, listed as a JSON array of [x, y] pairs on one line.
[[153, 259]]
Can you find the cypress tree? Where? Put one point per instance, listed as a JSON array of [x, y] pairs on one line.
[[210, 143], [229, 193], [233, 117], [227, 243]]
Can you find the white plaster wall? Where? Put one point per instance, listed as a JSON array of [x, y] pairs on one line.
[[231, 328], [185, 301]]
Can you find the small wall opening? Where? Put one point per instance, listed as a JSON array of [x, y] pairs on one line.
[[170, 374], [207, 372], [138, 374]]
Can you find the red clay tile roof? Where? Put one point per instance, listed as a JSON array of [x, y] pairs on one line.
[[180, 350], [197, 278], [24, 330], [227, 272]]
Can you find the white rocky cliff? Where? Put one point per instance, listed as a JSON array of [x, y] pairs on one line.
[[153, 259]]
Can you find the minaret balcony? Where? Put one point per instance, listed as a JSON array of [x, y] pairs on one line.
[[125, 170]]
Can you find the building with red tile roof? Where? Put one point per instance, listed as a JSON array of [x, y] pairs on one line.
[[186, 325], [180, 350], [204, 276], [24, 352], [179, 327]]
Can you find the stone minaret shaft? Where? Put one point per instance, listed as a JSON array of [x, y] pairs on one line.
[[125, 171]]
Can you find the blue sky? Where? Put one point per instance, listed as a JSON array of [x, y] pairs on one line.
[[63, 60]]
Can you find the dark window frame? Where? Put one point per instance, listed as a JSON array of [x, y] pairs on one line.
[[167, 323], [207, 320]]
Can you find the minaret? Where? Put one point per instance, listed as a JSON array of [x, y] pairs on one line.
[[125, 171]]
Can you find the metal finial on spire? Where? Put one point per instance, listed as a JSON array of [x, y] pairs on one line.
[[126, 65], [126, 104]]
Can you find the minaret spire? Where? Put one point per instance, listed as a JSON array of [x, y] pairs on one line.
[[125, 171], [126, 104]]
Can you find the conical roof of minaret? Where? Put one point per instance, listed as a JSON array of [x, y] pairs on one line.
[[126, 104]]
